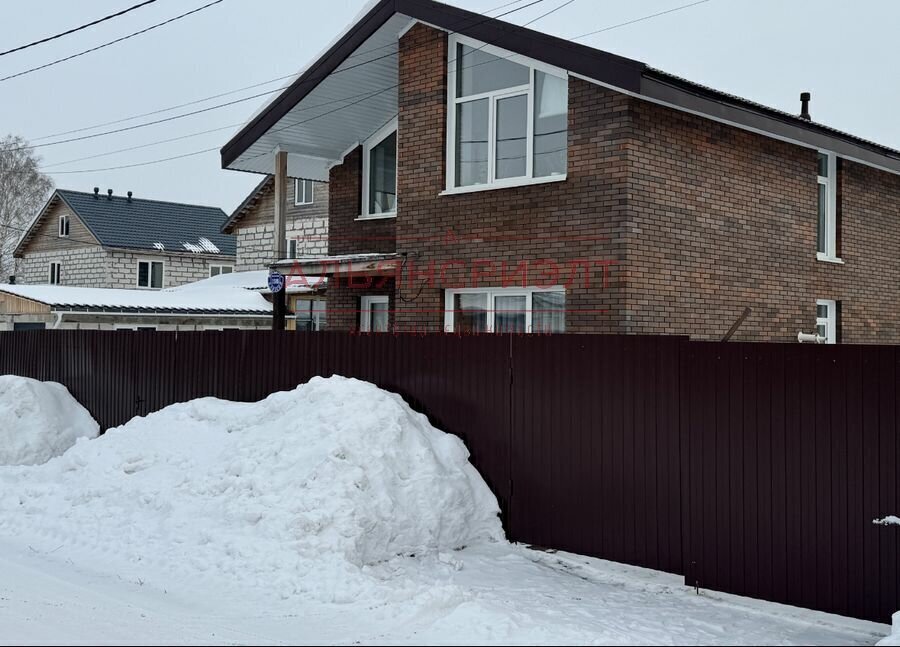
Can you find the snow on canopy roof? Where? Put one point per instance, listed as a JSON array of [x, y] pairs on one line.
[[227, 300], [257, 280]]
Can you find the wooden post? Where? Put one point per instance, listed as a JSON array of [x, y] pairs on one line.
[[279, 299]]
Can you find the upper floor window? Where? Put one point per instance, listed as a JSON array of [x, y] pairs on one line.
[[63, 226], [150, 274], [215, 270], [379, 173], [507, 118], [303, 192], [55, 273], [290, 246], [826, 229]]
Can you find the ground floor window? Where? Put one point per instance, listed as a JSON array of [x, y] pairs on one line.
[[29, 325], [374, 313], [505, 310], [150, 274], [309, 314], [827, 320]]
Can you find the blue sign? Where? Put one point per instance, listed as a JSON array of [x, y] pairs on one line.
[[276, 281]]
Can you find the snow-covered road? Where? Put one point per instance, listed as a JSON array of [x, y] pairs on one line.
[[490, 594]]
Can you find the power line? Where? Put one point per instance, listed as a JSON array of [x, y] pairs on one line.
[[112, 42], [366, 95], [72, 31]]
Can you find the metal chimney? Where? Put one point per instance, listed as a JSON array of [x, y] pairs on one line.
[[96, 192], [109, 194], [129, 196], [804, 105]]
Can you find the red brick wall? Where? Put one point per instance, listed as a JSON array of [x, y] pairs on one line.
[[346, 234], [723, 219]]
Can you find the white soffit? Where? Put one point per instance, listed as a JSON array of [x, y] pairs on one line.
[[347, 106]]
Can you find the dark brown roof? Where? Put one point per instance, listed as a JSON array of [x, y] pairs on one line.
[[249, 202]]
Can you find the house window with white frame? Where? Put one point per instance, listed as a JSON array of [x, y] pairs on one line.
[[150, 274], [379, 173], [55, 277], [374, 314], [303, 192], [505, 310], [290, 246], [826, 229], [64, 226], [310, 314], [507, 118], [826, 320], [215, 270]]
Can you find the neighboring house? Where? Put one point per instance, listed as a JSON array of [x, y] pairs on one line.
[[108, 241], [490, 166], [252, 223], [239, 301]]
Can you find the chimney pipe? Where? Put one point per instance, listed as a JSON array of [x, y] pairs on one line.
[[804, 106], [109, 194], [129, 196], [96, 192], [12, 279]]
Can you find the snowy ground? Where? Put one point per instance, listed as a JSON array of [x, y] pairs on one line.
[[500, 594], [331, 514]]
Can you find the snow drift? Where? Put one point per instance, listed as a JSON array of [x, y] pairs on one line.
[[39, 420], [324, 480]]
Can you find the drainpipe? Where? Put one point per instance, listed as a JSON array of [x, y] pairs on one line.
[[59, 318]]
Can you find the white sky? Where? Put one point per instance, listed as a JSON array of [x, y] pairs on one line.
[[845, 53]]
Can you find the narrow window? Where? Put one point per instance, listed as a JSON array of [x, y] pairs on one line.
[[150, 274], [380, 173], [373, 315], [291, 246], [303, 192], [506, 310], [64, 226], [826, 320], [826, 220], [508, 117], [55, 273]]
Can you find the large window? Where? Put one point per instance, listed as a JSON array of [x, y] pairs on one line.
[[150, 274], [507, 118], [826, 320], [505, 310], [303, 192], [55, 277], [374, 313], [379, 199], [826, 229]]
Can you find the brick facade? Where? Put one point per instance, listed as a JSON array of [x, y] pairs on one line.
[[693, 220], [307, 223]]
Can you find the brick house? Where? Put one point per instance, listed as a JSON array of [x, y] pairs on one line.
[[253, 224], [107, 241], [487, 177]]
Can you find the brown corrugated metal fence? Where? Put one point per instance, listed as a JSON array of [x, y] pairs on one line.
[[749, 468]]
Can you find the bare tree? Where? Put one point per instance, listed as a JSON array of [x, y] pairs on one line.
[[23, 191]]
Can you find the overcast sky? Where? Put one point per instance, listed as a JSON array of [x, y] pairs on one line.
[[845, 53]]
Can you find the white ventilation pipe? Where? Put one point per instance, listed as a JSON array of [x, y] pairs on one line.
[[810, 338]]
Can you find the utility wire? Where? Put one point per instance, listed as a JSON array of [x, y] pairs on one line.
[[366, 95], [76, 29], [112, 42]]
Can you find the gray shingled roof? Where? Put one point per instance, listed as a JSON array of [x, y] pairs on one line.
[[151, 224]]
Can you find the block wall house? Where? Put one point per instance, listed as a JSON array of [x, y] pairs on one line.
[[109, 241], [252, 224], [507, 160]]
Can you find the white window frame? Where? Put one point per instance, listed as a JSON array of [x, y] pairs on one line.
[[64, 224], [380, 135], [55, 274], [288, 243], [137, 278], [314, 315], [365, 310], [829, 321], [220, 266], [307, 199], [528, 292], [830, 183], [493, 97]]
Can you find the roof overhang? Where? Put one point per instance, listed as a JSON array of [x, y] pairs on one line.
[[351, 90], [311, 269]]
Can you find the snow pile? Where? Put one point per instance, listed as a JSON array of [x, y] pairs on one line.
[[889, 520], [39, 421], [894, 638], [298, 493]]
